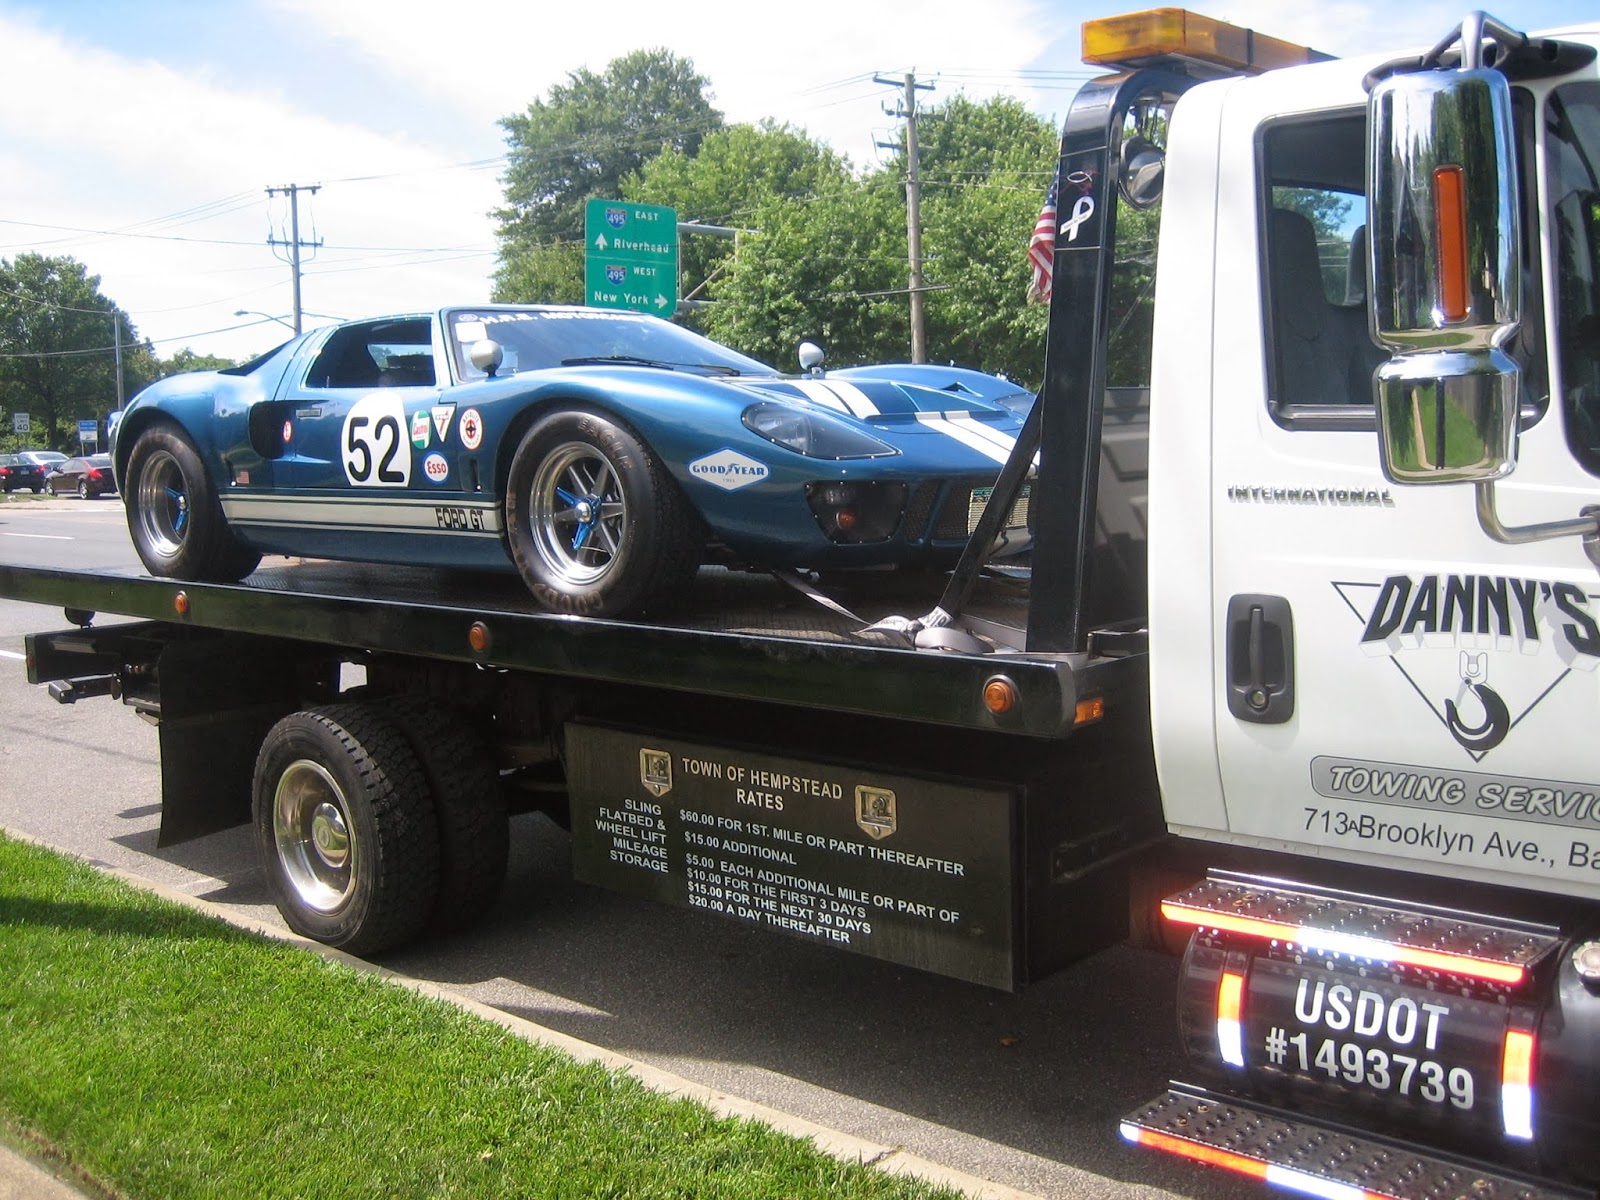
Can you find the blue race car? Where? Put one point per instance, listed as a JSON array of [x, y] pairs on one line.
[[604, 455]]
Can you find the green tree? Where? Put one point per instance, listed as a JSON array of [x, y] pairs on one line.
[[57, 357], [734, 170], [579, 143], [985, 168], [188, 360]]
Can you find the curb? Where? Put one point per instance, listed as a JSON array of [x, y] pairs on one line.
[[846, 1147]]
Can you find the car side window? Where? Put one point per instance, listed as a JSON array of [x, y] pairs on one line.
[[376, 354]]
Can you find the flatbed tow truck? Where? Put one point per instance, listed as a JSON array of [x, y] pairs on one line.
[[1331, 718]]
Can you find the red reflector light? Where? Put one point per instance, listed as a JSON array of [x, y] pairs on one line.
[[1344, 943], [1226, 1159]]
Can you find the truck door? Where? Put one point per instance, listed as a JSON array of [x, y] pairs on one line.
[[1387, 681]]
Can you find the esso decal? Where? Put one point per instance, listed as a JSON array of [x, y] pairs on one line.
[[374, 444], [436, 468], [471, 426]]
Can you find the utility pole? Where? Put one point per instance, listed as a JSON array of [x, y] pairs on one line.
[[293, 190], [908, 111], [116, 337]]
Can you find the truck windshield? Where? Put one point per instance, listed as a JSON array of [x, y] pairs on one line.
[[1572, 187]]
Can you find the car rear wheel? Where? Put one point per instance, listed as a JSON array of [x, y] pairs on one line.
[[596, 524], [174, 515], [83, 489], [345, 828]]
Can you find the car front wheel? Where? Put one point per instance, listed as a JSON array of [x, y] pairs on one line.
[[174, 515], [596, 524]]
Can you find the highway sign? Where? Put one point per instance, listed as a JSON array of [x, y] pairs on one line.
[[630, 256], [89, 431], [19, 422]]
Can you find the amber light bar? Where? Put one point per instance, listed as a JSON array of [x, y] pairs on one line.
[[1344, 943], [1142, 38], [1228, 1160]]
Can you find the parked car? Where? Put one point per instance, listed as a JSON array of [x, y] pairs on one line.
[[88, 477], [602, 454], [17, 472], [50, 460]]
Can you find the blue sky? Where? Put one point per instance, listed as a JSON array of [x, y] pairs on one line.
[[139, 136]]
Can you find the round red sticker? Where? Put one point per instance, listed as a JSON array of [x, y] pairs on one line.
[[471, 426]]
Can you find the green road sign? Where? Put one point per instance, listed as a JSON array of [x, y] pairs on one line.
[[630, 256]]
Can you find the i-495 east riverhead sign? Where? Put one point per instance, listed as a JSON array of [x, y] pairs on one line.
[[630, 256]]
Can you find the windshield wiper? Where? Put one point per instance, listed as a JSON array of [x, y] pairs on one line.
[[589, 360]]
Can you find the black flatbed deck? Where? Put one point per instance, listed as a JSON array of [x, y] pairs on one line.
[[740, 635]]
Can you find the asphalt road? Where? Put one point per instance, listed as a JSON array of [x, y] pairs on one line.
[[1022, 1089]]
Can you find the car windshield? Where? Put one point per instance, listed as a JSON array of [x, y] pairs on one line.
[[535, 339]]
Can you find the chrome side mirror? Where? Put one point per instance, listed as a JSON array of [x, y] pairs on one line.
[[487, 354], [1445, 283], [811, 357]]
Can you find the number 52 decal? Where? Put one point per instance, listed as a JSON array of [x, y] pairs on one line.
[[376, 452]]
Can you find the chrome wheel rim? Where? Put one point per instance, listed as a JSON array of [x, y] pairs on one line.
[[163, 504], [577, 514], [314, 836]]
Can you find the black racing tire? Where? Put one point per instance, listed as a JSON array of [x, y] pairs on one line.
[[175, 516], [474, 830], [595, 523], [345, 828]]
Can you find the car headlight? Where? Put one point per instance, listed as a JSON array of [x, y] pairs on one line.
[[814, 434]]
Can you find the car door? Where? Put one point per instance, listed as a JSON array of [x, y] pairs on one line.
[[1389, 682]]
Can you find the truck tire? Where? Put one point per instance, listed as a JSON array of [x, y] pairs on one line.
[[345, 828], [174, 515], [595, 523], [474, 830]]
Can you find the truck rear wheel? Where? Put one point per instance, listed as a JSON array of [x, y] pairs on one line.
[[474, 833], [345, 828]]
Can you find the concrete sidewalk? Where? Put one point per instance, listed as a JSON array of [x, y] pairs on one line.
[[21, 1178]]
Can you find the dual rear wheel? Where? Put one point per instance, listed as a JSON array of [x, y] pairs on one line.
[[377, 822]]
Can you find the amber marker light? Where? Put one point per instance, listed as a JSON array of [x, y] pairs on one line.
[[478, 637], [1450, 213], [1516, 1085], [180, 604], [1000, 695], [1230, 1018], [1344, 943], [1088, 710]]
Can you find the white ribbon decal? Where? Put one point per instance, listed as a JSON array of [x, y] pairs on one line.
[[1081, 212]]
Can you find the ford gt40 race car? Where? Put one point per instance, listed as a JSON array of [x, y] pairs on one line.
[[604, 455]]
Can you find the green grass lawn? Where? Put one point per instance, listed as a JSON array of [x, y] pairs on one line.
[[166, 1054]]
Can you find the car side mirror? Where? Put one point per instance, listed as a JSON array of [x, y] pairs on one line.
[[487, 354], [811, 357]]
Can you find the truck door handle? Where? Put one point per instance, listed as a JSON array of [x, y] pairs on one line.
[[1260, 651]]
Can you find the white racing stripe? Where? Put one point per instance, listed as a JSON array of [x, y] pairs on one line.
[[357, 513], [820, 393], [979, 435], [854, 398]]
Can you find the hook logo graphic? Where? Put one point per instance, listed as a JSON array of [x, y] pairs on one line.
[[1496, 721]]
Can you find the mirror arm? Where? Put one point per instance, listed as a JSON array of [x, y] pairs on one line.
[[1586, 526]]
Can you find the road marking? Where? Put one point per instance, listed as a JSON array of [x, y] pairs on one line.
[[13, 654], [43, 537]]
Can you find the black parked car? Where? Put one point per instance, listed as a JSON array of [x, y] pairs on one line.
[[17, 472], [89, 477]]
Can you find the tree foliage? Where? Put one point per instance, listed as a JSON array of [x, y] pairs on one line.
[[579, 143], [57, 350]]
